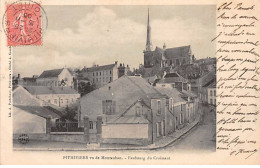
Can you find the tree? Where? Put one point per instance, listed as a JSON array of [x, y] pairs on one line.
[[84, 87]]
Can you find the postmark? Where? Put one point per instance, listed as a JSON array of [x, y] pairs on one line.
[[24, 23], [23, 139]]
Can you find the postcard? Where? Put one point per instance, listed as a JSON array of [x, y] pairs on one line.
[[129, 82]]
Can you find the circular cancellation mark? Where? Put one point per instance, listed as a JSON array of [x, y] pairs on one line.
[[24, 23]]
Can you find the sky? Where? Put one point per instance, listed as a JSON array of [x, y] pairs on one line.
[[79, 36]]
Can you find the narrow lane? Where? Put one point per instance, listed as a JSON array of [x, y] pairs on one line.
[[202, 137]]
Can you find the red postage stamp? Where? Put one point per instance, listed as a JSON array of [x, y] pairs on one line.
[[23, 23]]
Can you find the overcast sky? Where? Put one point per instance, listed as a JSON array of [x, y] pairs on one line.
[[79, 36]]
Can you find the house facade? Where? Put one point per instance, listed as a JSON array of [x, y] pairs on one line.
[[125, 101], [55, 77], [100, 75], [174, 86], [176, 107], [61, 97], [32, 116], [212, 93]]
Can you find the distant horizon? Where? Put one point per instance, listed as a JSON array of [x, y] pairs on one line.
[[95, 34]]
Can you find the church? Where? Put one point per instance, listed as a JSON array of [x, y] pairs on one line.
[[165, 57]]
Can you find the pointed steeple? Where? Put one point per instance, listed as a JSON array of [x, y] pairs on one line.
[[148, 38]]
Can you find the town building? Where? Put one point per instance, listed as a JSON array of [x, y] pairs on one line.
[[212, 93], [55, 77], [61, 97], [175, 118], [165, 57], [31, 115], [175, 82], [100, 75], [129, 105], [203, 83]]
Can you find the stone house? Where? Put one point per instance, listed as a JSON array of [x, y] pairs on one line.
[[127, 104], [31, 116], [100, 75], [61, 97], [55, 77], [176, 106]]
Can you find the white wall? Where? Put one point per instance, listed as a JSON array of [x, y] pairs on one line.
[[125, 131], [72, 99], [66, 74], [25, 122]]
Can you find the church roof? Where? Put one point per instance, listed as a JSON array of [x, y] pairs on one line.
[[183, 51]]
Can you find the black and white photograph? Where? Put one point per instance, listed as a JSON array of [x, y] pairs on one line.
[[118, 78]]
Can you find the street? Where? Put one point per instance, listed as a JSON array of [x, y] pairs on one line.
[[202, 137]]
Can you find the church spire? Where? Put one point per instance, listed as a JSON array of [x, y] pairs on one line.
[[148, 38]]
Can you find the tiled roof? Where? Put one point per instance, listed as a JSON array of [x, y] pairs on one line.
[[177, 52], [211, 84], [172, 93], [42, 111], [189, 93], [125, 91], [172, 77], [128, 120], [98, 68], [39, 90], [51, 73]]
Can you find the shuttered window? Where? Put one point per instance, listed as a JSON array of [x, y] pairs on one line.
[[109, 107]]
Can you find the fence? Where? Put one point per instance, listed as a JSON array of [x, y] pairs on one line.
[[65, 126]]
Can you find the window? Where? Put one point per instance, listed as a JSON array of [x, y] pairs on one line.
[[110, 72], [210, 92], [214, 92], [91, 125], [67, 101], [171, 104], [138, 111], [49, 101], [181, 118], [211, 101], [158, 129], [110, 79], [109, 107], [61, 100], [181, 107], [97, 73], [158, 107], [55, 101]]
